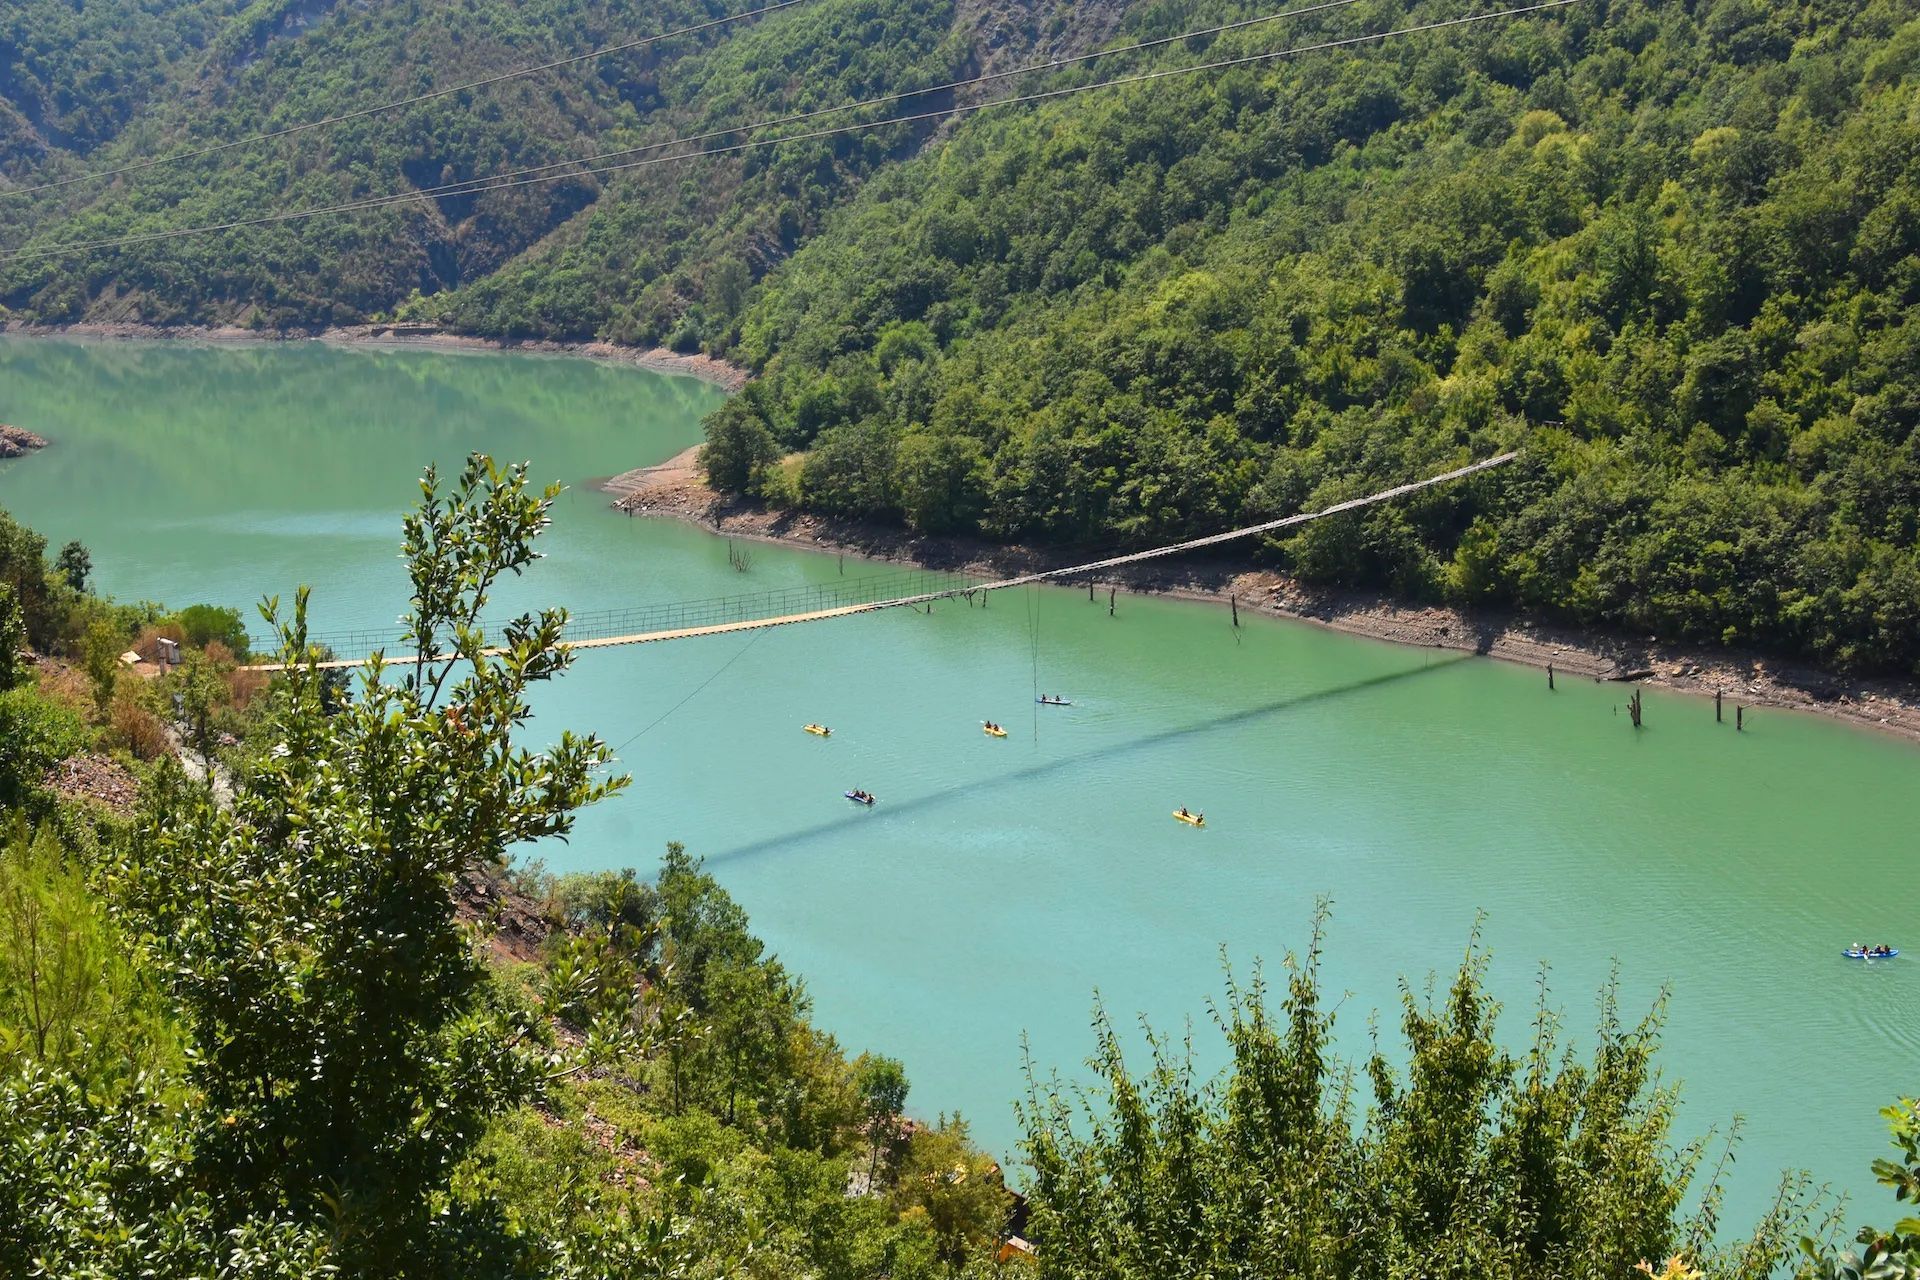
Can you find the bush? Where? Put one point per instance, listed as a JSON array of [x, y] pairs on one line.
[[205, 624], [1472, 1161], [134, 727], [35, 735]]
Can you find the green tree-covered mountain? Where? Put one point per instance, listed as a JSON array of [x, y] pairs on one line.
[[1670, 248], [626, 255]]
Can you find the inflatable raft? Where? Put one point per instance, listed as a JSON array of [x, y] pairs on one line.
[[993, 731], [1054, 702], [820, 730], [1191, 819], [1888, 954], [857, 798]]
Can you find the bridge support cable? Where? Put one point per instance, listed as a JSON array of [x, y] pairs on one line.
[[733, 626]]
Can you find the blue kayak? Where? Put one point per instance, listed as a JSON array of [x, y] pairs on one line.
[[1888, 954]]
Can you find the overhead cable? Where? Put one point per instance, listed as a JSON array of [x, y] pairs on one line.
[[1055, 64], [502, 182]]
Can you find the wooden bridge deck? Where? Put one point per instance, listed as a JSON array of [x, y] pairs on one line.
[[1070, 571]]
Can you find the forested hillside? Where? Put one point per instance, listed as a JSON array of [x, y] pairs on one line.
[[639, 256], [1670, 248], [72, 75]]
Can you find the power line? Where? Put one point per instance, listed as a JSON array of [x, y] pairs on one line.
[[383, 107], [473, 185], [456, 188], [483, 185]]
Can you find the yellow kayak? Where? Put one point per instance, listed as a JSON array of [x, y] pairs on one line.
[[1191, 819], [993, 731], [820, 730]]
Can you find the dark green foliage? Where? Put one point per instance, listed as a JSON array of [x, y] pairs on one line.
[[343, 1058], [657, 254], [36, 733], [74, 564], [23, 566], [13, 638], [1669, 250], [72, 75], [739, 449]]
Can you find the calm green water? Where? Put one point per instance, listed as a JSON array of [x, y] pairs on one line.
[[1000, 883]]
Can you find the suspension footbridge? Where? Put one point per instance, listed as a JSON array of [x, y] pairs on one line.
[[760, 610]]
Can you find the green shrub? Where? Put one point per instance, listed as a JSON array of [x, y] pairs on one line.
[[35, 734], [205, 624]]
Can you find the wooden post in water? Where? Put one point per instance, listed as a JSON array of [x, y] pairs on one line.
[[1717, 718], [1549, 677], [1089, 590], [1739, 719], [1235, 602], [1110, 595], [1633, 708]]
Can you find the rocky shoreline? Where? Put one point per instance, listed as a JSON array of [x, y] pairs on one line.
[[17, 442], [675, 489], [658, 359]]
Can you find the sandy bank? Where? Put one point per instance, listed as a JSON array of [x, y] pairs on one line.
[[658, 359], [676, 489]]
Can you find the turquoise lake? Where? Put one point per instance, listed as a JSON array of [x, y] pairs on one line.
[[1000, 884]]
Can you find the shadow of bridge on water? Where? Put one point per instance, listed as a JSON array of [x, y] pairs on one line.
[[889, 813]]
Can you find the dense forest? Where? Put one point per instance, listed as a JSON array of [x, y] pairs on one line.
[[644, 256], [1670, 249], [280, 997]]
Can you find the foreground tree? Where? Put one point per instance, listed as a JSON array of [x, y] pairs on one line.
[[1471, 1162], [1883, 1254], [343, 1059]]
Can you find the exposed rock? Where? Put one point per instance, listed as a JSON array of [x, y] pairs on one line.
[[511, 921], [95, 778], [16, 442]]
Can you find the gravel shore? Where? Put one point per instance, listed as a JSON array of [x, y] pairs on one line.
[[675, 489]]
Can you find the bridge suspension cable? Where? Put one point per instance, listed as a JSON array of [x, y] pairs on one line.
[[972, 588]]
